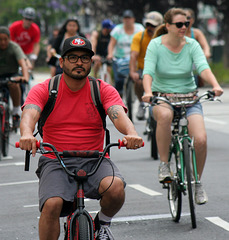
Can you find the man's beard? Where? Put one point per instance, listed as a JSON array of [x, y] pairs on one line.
[[77, 76]]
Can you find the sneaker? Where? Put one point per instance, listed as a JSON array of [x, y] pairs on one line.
[[200, 194], [141, 112], [16, 121], [164, 174], [102, 230]]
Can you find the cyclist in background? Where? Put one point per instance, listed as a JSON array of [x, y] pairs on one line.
[[168, 70], [66, 129], [197, 34], [138, 50], [11, 57], [119, 45], [100, 41], [27, 34], [70, 28]]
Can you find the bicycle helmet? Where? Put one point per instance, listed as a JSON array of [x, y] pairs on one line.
[[29, 13], [107, 23]]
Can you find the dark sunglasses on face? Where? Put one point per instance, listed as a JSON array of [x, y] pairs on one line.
[[181, 24], [75, 58]]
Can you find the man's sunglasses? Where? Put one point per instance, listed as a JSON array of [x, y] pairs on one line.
[[181, 24]]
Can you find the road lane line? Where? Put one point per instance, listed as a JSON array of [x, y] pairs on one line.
[[18, 183], [144, 190], [144, 217], [219, 222], [12, 164]]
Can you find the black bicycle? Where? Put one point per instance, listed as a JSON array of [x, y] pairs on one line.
[[80, 224], [150, 131], [182, 157], [5, 126]]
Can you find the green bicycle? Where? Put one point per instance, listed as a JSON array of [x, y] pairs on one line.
[[182, 158]]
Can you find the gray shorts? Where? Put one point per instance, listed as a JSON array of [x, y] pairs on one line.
[[54, 182]]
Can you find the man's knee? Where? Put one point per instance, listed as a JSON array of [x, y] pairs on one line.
[[53, 206]]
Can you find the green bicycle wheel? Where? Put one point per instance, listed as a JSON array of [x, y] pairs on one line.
[[174, 191], [189, 177]]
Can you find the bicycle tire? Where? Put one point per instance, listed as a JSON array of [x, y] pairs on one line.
[[81, 229], [6, 134], [153, 142], [1, 134], [129, 98], [174, 191], [189, 175]]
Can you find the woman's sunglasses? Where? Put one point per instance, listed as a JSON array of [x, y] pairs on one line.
[[181, 24]]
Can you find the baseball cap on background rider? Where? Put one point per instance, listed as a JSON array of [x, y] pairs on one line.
[[154, 18], [76, 43], [128, 14], [107, 23], [29, 13]]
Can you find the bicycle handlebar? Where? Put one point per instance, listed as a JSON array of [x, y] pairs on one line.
[[73, 153], [5, 80], [209, 96]]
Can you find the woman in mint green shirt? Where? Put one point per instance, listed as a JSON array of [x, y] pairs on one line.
[[168, 69]]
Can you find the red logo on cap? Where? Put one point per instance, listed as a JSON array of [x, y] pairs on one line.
[[78, 42]]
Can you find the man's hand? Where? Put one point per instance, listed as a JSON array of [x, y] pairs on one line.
[[28, 142], [133, 141]]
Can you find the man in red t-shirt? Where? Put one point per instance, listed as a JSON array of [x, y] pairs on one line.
[[27, 34], [75, 124]]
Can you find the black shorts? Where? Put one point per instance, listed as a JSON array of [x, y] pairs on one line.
[[54, 182]]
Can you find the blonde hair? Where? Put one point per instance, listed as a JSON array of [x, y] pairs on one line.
[[168, 18]]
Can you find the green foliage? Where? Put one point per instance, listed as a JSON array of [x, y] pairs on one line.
[[221, 73]]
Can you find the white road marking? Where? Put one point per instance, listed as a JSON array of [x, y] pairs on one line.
[[219, 222], [12, 164], [18, 183], [144, 190]]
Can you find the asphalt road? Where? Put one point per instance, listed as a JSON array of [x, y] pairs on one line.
[[145, 214]]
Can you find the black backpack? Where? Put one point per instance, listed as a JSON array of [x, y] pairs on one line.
[[53, 91]]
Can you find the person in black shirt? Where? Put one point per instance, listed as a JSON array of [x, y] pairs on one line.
[[100, 41]]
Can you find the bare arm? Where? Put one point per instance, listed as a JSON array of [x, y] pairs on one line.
[[94, 40], [30, 116], [209, 77], [24, 68], [111, 47], [133, 65], [203, 42], [147, 82], [124, 125]]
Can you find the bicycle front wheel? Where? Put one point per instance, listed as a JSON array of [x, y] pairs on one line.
[[153, 125], [80, 230], [174, 191], [129, 97], [6, 134], [189, 177]]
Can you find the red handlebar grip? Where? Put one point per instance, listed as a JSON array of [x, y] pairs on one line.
[[121, 144], [38, 144]]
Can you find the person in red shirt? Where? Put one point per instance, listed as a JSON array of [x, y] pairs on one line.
[[75, 123], [27, 34]]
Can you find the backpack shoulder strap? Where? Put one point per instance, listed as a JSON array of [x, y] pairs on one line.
[[95, 94], [53, 91]]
